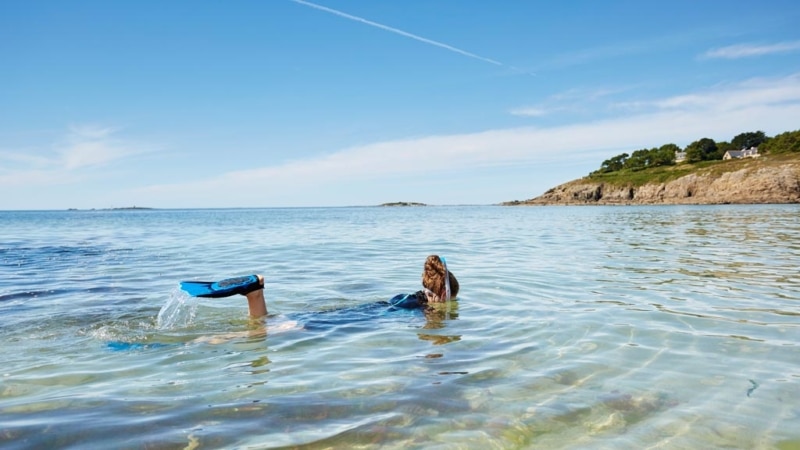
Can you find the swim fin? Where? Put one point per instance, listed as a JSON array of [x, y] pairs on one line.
[[223, 288]]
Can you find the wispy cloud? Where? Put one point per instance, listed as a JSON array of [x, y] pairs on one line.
[[616, 50], [529, 111], [571, 100], [91, 145], [751, 50], [92, 131], [82, 148], [23, 159], [632, 46], [403, 33], [724, 98], [719, 113]]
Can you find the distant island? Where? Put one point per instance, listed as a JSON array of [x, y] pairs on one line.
[[753, 169], [123, 208], [403, 204]]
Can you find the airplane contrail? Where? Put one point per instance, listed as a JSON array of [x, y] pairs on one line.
[[400, 32]]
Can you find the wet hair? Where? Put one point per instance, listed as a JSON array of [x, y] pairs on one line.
[[433, 277]]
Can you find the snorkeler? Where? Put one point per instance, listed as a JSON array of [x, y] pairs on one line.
[[438, 285]]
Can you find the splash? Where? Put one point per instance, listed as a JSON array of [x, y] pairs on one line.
[[179, 311]]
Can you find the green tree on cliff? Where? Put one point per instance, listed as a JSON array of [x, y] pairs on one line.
[[702, 150], [613, 164], [665, 155], [787, 142], [640, 159], [724, 146], [747, 140]]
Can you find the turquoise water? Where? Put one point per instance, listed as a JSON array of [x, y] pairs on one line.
[[576, 327]]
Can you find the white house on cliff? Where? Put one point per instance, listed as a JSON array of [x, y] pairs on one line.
[[751, 152]]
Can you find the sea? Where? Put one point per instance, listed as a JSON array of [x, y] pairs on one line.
[[603, 327]]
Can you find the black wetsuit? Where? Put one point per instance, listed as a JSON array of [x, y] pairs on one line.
[[381, 310]]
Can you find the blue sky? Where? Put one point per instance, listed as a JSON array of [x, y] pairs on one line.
[[192, 104]]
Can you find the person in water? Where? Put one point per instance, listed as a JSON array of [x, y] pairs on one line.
[[438, 285]]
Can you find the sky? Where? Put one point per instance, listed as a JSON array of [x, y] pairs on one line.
[[293, 103]]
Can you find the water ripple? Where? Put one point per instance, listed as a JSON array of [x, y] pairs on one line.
[[608, 327]]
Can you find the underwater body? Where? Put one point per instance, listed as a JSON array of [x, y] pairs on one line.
[[575, 327]]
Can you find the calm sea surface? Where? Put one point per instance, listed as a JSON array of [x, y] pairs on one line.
[[576, 327]]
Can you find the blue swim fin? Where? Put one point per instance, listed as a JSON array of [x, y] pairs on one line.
[[223, 288]]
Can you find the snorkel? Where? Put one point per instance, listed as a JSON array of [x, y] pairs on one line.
[[446, 280]]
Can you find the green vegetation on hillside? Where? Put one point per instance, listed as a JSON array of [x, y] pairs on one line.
[[664, 174], [788, 142], [701, 150]]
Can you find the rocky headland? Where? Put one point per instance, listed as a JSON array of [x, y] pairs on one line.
[[748, 181]]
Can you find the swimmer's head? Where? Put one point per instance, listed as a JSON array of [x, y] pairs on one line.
[[440, 284]]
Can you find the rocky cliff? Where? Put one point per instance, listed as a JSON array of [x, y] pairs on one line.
[[748, 182]]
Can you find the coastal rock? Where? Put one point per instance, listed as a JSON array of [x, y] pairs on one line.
[[403, 204], [749, 185]]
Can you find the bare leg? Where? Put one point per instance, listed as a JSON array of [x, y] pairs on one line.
[[256, 302]]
